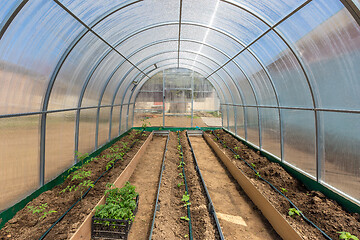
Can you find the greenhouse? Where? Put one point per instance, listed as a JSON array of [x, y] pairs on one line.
[[180, 119]]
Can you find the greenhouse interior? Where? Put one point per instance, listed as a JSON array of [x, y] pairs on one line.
[[180, 119]]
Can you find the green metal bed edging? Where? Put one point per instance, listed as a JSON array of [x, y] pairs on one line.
[[9, 213], [174, 129], [308, 182]]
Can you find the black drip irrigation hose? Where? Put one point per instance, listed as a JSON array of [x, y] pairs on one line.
[[84, 195], [211, 206], [186, 186], [158, 191], [273, 187]]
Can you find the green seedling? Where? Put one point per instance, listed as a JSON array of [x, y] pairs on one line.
[[185, 218], [293, 211], [236, 156], [181, 164], [46, 213], [258, 174], [180, 184], [81, 156], [144, 134], [283, 190], [80, 175], [253, 165], [181, 175], [38, 209], [236, 148], [185, 197], [347, 236], [186, 235]]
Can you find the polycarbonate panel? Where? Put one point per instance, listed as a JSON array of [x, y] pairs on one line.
[[232, 120], [115, 122], [148, 37], [136, 17], [6, 9], [153, 50], [177, 78], [74, 72], [29, 51], [19, 171], [240, 124], [285, 71], [230, 82], [244, 84], [130, 117], [226, 43], [340, 142], [149, 62], [258, 77], [208, 60], [115, 78], [87, 130], [60, 143], [223, 16], [99, 79], [328, 41], [123, 119], [270, 130], [252, 125], [91, 10], [300, 139], [104, 124], [270, 10], [205, 50], [224, 114]]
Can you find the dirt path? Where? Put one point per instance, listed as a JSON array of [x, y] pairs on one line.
[[168, 224], [238, 216], [146, 180]]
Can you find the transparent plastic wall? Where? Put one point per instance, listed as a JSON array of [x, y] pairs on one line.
[[177, 98]]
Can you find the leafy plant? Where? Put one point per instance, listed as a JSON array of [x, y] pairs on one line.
[[185, 199], [81, 156], [253, 165], [181, 175], [40, 209], [258, 174], [185, 218], [293, 211], [236, 148], [236, 156], [80, 175], [347, 236], [180, 184], [283, 190]]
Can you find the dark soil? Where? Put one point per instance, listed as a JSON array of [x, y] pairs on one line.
[[26, 225], [203, 225], [327, 214], [168, 224]]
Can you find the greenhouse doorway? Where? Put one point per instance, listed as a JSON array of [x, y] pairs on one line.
[[177, 97]]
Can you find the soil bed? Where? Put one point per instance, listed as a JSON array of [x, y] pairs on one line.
[[146, 179], [203, 225], [26, 225], [327, 214], [168, 224], [238, 216]]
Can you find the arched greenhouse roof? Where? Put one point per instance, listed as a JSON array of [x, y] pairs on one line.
[[286, 74]]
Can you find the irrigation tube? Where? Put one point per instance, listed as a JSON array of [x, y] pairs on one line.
[[158, 191], [272, 186], [211, 206], [84, 195], [186, 187]]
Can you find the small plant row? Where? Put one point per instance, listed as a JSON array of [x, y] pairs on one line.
[[185, 197], [80, 179], [114, 218], [294, 211]]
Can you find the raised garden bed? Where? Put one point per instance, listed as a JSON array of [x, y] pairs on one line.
[[26, 225], [327, 214]]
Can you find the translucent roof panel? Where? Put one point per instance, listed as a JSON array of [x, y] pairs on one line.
[[91, 10], [270, 10], [284, 70], [328, 41], [29, 51], [75, 71], [139, 40], [6, 9], [259, 78], [223, 16], [136, 17], [225, 43]]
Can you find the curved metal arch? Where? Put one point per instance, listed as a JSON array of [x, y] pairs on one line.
[[232, 97]]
